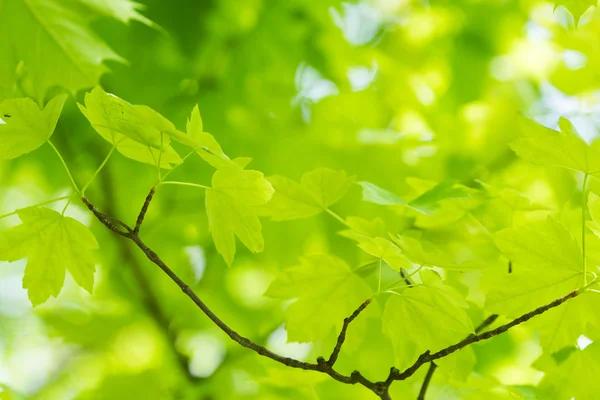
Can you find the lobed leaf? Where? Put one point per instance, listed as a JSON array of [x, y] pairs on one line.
[[318, 190], [52, 244], [326, 292], [24, 126], [230, 209]]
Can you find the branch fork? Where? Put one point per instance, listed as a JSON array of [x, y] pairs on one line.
[[381, 388]]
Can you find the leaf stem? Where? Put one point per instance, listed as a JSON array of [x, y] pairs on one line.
[[336, 216], [98, 170], [62, 160], [196, 185], [158, 172], [379, 282], [43, 203], [67, 204], [173, 168], [583, 207]]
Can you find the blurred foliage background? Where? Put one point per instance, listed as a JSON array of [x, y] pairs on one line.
[[383, 89]]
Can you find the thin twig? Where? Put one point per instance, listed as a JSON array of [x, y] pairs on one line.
[[356, 377], [143, 211], [432, 366], [342, 336], [426, 357], [381, 389], [430, 371]]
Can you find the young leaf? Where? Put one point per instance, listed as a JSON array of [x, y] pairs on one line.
[[326, 185], [384, 250], [425, 253], [204, 143], [121, 10], [512, 198], [425, 317], [576, 377], [230, 208], [364, 227], [326, 291], [25, 126], [564, 149], [319, 189], [426, 203], [377, 195], [52, 243], [548, 246], [576, 7], [55, 44], [138, 132]]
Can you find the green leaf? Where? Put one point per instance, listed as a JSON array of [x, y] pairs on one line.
[[384, 250], [326, 185], [576, 7], [364, 227], [564, 149], [230, 208], [549, 246], [124, 11], [138, 132], [55, 44], [426, 203], [576, 377], [52, 243], [25, 127], [204, 143], [512, 198], [425, 317], [547, 262], [377, 195], [319, 189], [425, 253], [326, 291]]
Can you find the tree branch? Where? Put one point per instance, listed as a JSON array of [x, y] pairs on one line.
[[381, 389], [143, 211], [430, 371], [432, 366], [323, 366], [426, 357], [342, 336]]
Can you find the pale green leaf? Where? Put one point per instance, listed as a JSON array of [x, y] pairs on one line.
[[138, 132], [326, 291], [326, 185], [548, 245], [576, 377], [121, 10], [566, 149], [24, 127], [230, 209], [291, 200], [52, 244], [204, 143], [424, 253], [426, 203], [384, 250], [377, 195], [53, 41], [318, 190], [576, 7], [364, 227], [512, 198], [425, 317]]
